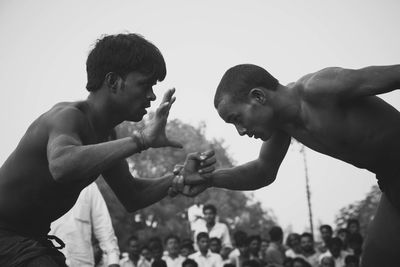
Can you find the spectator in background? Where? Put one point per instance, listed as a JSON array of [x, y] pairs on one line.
[[196, 216], [352, 261], [254, 248], [300, 262], [172, 257], [326, 236], [276, 252], [336, 252], [353, 225], [156, 248], [158, 263], [293, 244], [204, 257], [225, 251], [355, 244], [263, 247], [327, 261], [308, 249], [240, 238], [134, 258], [343, 234], [146, 254], [187, 247], [215, 245], [189, 263], [214, 228], [89, 216]]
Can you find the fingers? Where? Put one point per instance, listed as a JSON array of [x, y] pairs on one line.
[[166, 103], [168, 95], [208, 162], [206, 170], [177, 169]]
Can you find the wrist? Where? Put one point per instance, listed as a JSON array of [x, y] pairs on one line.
[[139, 140]]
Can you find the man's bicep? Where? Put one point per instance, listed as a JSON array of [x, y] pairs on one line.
[[63, 133]]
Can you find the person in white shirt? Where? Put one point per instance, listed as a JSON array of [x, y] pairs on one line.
[[204, 257], [195, 215], [134, 259], [214, 228], [172, 246], [75, 228], [336, 252]]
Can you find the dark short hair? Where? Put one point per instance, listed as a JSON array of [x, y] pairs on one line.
[[327, 227], [288, 241], [276, 233], [351, 221], [343, 230], [189, 261], [172, 236], [240, 79], [133, 238], [336, 241], [122, 54], [201, 235], [210, 207], [159, 263]]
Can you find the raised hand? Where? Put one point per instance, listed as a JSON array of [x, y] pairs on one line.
[[153, 134]]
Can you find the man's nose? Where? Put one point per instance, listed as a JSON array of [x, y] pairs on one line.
[[241, 130], [151, 96]]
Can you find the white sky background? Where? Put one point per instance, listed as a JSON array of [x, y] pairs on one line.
[[44, 45]]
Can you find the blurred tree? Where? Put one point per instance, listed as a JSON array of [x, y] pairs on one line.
[[363, 210], [237, 209]]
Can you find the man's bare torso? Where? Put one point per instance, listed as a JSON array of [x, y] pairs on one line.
[[363, 132], [29, 196]]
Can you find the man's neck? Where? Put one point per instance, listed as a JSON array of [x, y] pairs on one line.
[[210, 224], [100, 114], [204, 252]]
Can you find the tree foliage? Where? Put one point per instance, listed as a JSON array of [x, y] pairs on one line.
[[362, 210], [236, 208]]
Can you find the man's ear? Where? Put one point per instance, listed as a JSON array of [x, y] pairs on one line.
[[112, 81], [258, 94]]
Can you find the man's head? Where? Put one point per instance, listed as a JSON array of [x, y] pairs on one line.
[[276, 234], [326, 232], [335, 247], [189, 263], [343, 234], [146, 253], [254, 244], [352, 261], [133, 247], [156, 247], [243, 98], [215, 245], [172, 245], [210, 212], [203, 242], [307, 242], [186, 247], [293, 241], [353, 225], [327, 262], [127, 66]]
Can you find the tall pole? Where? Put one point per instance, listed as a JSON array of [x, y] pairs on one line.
[[303, 152]]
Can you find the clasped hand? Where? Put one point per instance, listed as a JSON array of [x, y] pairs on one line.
[[195, 175]]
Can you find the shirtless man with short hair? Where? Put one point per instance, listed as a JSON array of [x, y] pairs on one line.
[[334, 111], [67, 148]]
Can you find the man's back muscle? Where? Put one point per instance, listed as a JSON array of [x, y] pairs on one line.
[[359, 131]]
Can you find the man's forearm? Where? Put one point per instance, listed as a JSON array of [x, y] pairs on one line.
[[149, 190], [81, 162]]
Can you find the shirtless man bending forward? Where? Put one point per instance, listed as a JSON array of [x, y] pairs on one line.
[[67, 148], [334, 111]]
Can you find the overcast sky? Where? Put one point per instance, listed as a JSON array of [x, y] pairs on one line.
[[44, 45]]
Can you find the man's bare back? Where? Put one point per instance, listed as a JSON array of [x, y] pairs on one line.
[[30, 198], [363, 132]]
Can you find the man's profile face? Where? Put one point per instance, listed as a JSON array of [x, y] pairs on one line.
[[209, 216], [135, 95], [249, 117]]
